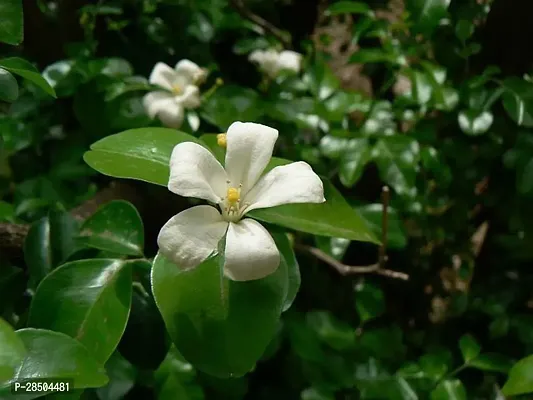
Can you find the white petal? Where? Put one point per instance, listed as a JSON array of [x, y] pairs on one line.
[[155, 101], [286, 184], [190, 98], [250, 251], [172, 116], [162, 75], [290, 60], [249, 149], [190, 69], [267, 60], [189, 237], [195, 172]]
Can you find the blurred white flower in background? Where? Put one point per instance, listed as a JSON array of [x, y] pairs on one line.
[[272, 62], [179, 92], [191, 236]]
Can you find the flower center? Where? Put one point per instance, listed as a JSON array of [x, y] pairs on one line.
[[231, 204], [176, 89], [221, 140]]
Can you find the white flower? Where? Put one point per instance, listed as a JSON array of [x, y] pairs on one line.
[[273, 62], [191, 236], [180, 91]]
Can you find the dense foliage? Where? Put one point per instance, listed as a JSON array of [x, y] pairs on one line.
[[412, 281]]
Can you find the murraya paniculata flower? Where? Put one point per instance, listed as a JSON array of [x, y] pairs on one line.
[[179, 91], [272, 62], [191, 236]]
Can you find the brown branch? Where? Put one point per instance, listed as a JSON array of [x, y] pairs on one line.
[[377, 268], [246, 13]]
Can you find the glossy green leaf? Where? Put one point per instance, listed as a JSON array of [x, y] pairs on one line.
[[369, 301], [518, 100], [335, 247], [464, 29], [373, 214], [364, 56], [353, 161], [349, 7], [116, 227], [50, 241], [12, 351], [427, 14], [397, 157], [122, 376], [88, 300], [475, 122], [451, 389], [26, 70], [436, 364], [316, 394], [64, 76], [55, 355], [9, 89], [208, 317], [470, 348], [520, 379], [145, 324], [491, 362], [333, 218], [12, 26], [293, 269], [321, 80], [141, 154]]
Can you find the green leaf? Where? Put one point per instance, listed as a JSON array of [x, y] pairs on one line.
[[369, 301], [334, 218], [293, 270], [365, 56], [464, 29], [50, 241], [316, 394], [397, 158], [321, 80], [116, 227], [475, 122], [145, 324], [12, 26], [88, 300], [451, 389], [12, 351], [9, 89], [520, 379], [353, 161], [208, 317], [373, 214], [518, 100], [142, 154], [122, 377], [470, 348], [64, 77], [335, 247], [232, 103], [427, 14], [436, 364], [349, 7], [23, 68], [337, 334], [491, 362], [58, 356]]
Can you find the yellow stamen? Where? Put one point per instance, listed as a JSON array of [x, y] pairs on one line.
[[221, 140], [234, 195]]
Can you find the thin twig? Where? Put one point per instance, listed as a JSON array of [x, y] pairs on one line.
[[377, 268], [245, 12]]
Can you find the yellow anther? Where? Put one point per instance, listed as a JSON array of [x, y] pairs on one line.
[[176, 89], [234, 195], [219, 81], [221, 139]]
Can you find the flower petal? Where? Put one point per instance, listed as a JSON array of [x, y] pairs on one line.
[[162, 75], [286, 184], [192, 71], [290, 60], [250, 251], [189, 237], [156, 101], [172, 116], [190, 98], [195, 172], [249, 149]]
